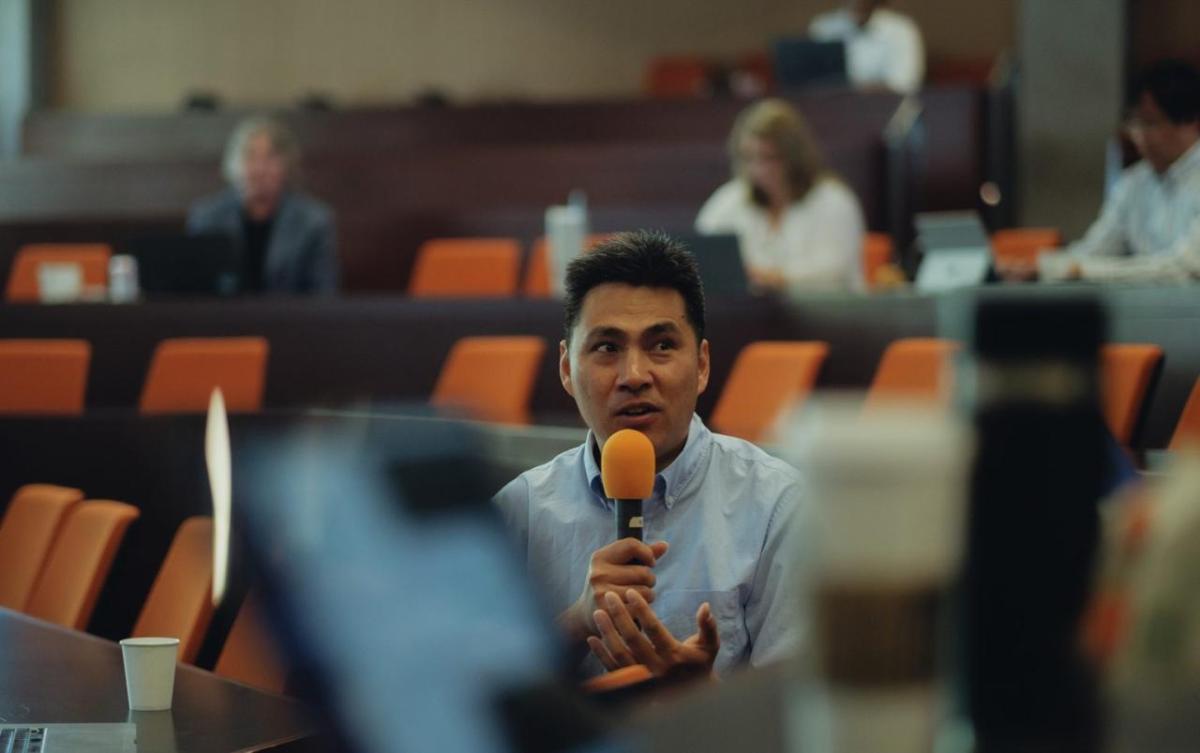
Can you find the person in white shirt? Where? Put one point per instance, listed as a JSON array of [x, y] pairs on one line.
[[883, 48], [1149, 228], [798, 225]]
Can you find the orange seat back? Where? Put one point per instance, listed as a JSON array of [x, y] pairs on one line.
[[1022, 245], [536, 283], [768, 380], [79, 562], [492, 378], [677, 77], [466, 267], [92, 259], [878, 250], [1126, 371], [32, 522], [184, 371], [1187, 430], [43, 376], [179, 604], [914, 368], [249, 655]]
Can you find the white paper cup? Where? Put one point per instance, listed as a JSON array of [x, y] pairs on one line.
[[149, 672]]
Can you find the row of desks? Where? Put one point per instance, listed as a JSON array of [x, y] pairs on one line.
[[355, 351]]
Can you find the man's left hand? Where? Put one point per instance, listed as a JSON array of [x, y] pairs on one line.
[[623, 643]]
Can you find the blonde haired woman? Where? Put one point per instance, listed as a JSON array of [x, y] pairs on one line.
[[798, 224]]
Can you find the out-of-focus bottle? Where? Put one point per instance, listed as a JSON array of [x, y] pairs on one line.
[[566, 235], [1033, 527], [123, 279]]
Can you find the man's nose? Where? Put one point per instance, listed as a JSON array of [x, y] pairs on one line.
[[634, 373]]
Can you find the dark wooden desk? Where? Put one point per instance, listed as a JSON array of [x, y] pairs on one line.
[[49, 674]]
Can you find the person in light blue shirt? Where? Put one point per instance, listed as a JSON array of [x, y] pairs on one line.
[[713, 585]]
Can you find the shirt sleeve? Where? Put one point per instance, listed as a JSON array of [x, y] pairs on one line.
[[721, 212], [773, 611], [831, 253], [1106, 236], [1180, 263]]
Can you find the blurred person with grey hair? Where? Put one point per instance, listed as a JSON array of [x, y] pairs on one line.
[[286, 238]]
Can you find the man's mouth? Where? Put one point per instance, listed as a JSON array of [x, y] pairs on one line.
[[637, 409]]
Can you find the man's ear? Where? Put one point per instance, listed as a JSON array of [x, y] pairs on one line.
[[704, 366], [564, 367]]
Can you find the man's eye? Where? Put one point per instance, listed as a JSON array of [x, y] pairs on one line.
[[665, 345], [604, 347]]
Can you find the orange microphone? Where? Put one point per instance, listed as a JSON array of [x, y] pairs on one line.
[[627, 470]]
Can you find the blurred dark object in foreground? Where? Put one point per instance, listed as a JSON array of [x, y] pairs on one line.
[[1032, 535]]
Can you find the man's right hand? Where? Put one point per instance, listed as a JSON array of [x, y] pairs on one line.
[[614, 568]]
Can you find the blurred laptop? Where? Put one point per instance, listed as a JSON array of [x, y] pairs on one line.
[[719, 259], [177, 264], [68, 738], [956, 251], [394, 585], [801, 62]]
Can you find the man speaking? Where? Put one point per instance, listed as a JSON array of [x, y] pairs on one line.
[[710, 585]]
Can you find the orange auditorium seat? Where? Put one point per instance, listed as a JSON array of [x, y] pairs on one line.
[[492, 378], [1127, 372], [79, 562], [179, 604], [466, 267], [43, 376], [184, 371], [678, 77], [537, 271], [23, 275], [915, 368], [1187, 430], [31, 523], [1021, 246], [249, 655], [768, 380]]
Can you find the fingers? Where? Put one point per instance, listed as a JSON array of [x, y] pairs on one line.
[[706, 627], [638, 644], [602, 653], [658, 634], [617, 649], [659, 548], [630, 550], [632, 575]]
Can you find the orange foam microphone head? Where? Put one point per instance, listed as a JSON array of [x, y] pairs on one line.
[[627, 470]]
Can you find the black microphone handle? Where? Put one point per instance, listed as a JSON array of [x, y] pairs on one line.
[[629, 519]]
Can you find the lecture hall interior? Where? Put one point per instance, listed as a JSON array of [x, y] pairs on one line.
[[549, 375]]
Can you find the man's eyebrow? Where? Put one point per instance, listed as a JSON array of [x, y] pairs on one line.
[[609, 332], [661, 328]]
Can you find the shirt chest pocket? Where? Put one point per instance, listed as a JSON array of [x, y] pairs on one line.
[[677, 610]]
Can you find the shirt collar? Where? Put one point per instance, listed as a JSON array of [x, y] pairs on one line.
[[670, 483], [1187, 162]]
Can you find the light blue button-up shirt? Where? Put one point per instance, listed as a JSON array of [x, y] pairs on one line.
[[731, 514]]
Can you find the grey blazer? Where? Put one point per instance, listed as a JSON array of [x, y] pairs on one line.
[[301, 254]]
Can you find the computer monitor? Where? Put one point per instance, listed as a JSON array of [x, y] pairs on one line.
[[719, 260], [956, 252], [801, 62], [177, 264]]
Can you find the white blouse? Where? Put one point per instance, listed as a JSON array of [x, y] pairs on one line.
[[816, 244], [888, 50]]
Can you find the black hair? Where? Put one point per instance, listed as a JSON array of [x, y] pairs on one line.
[[641, 259], [1174, 86]]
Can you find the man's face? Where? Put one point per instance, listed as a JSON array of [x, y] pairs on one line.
[[633, 362], [264, 170], [1159, 141]]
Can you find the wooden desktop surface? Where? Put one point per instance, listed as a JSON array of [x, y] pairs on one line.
[[50, 674]]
